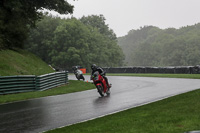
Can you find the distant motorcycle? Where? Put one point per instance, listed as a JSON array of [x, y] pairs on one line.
[[100, 84], [79, 74]]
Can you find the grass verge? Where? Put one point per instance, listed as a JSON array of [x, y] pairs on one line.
[[176, 114], [73, 86]]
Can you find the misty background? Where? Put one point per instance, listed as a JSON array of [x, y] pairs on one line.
[[123, 16]]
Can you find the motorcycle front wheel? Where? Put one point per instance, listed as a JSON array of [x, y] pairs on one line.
[[100, 90], [83, 77]]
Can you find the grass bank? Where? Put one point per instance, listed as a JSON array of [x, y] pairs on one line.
[[177, 114], [73, 86], [21, 62]]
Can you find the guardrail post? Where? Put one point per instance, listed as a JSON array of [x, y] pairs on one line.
[[37, 83], [66, 77]]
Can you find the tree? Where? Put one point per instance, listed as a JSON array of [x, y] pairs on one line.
[[99, 23], [18, 16], [41, 38], [151, 46], [68, 42]]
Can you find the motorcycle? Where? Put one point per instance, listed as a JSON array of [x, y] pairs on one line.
[[100, 84], [79, 74]]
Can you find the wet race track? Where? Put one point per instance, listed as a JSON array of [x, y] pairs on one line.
[[43, 114]]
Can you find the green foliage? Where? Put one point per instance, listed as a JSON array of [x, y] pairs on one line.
[[20, 62], [151, 46], [68, 42], [18, 16], [99, 23], [41, 38]]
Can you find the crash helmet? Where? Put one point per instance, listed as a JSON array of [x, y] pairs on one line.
[[93, 66]]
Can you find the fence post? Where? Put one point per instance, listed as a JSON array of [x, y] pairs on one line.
[[37, 83], [66, 77]]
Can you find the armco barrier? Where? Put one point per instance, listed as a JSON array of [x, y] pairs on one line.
[[51, 80], [170, 70], [26, 83], [16, 84]]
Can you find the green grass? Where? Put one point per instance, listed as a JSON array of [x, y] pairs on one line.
[[73, 86], [21, 62], [177, 114]]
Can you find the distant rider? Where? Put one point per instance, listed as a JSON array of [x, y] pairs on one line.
[[78, 73], [95, 68]]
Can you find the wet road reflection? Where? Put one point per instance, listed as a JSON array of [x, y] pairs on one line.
[[22, 116], [43, 114]]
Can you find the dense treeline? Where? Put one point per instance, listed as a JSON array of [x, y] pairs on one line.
[[151, 46], [64, 43], [17, 17]]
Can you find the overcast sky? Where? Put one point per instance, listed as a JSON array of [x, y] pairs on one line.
[[125, 15]]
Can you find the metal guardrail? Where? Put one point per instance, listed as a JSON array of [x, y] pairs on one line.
[[26, 83], [51, 80], [16, 84], [170, 70]]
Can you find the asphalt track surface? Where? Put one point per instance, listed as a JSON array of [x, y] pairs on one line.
[[51, 112]]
